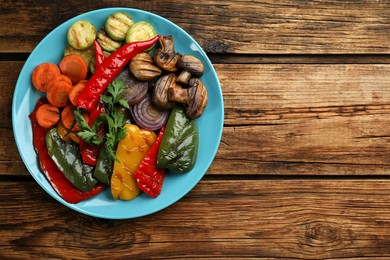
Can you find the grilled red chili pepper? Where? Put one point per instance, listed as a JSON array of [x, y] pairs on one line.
[[99, 54], [108, 70], [148, 177], [57, 179]]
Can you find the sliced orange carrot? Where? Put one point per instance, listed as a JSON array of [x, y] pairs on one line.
[[68, 119], [58, 93], [74, 67], [60, 77], [48, 115], [43, 73], [76, 90]]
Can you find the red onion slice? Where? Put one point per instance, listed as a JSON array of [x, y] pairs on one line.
[[135, 90], [147, 116]]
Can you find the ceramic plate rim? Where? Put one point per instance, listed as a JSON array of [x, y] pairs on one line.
[[75, 207]]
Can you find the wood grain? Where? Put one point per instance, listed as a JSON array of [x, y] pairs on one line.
[[314, 119], [305, 118], [302, 171], [10, 161], [298, 219], [243, 27]]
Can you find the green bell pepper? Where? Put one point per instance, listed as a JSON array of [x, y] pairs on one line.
[[66, 156], [104, 166], [179, 146]]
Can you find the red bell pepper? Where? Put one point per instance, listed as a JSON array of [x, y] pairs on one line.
[[148, 177], [108, 70], [57, 179], [90, 153]]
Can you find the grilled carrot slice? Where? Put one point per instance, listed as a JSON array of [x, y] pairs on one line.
[[68, 119], [76, 90], [58, 93], [43, 73], [48, 115], [60, 77], [74, 66]]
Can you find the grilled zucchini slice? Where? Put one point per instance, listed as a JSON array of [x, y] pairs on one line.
[[81, 35], [117, 25]]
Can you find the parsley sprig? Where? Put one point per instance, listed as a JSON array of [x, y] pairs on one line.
[[112, 118]]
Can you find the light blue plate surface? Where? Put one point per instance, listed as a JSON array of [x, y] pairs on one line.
[[210, 124]]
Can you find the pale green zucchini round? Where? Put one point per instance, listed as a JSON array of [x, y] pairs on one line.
[[81, 34], [117, 25], [140, 31], [106, 42]]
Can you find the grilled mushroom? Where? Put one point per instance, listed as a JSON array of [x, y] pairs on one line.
[[142, 67], [194, 98], [191, 67], [160, 98], [165, 57]]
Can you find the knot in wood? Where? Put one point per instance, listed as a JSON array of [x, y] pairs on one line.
[[323, 232], [215, 46]]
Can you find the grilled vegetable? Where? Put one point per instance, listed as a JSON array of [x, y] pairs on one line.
[[81, 35], [141, 31], [104, 166], [166, 57], [130, 152], [66, 156], [87, 54], [143, 68], [190, 66], [160, 91], [194, 98], [179, 146], [147, 115], [117, 25], [57, 179], [106, 42], [149, 178], [108, 71], [136, 90]]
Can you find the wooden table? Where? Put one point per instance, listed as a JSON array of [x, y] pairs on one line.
[[303, 167]]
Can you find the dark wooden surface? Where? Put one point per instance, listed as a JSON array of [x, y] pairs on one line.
[[302, 171]]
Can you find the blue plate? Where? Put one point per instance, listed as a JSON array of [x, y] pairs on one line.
[[210, 124]]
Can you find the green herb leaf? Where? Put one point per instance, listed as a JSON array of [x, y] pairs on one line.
[[83, 125], [88, 134], [114, 120], [124, 103]]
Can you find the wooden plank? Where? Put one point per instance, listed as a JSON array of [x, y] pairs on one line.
[[255, 27], [299, 59], [300, 219], [268, 92], [10, 161], [304, 119], [327, 119]]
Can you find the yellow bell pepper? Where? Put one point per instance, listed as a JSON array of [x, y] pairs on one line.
[[130, 152]]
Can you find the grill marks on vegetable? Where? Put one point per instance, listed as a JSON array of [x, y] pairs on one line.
[[179, 144], [182, 144]]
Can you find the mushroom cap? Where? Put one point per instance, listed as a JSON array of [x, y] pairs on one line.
[[165, 57], [142, 67], [191, 64], [197, 98], [160, 96]]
